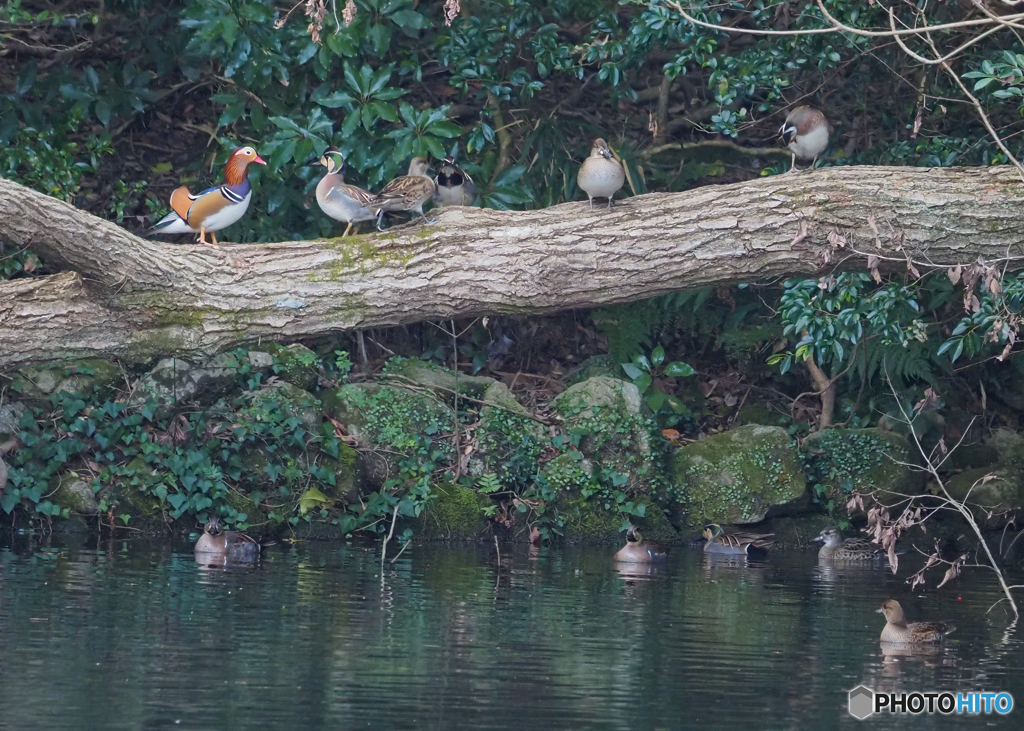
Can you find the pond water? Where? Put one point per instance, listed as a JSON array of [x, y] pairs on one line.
[[131, 635]]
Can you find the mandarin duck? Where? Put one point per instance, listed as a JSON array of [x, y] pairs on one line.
[[898, 631], [338, 199], [215, 208], [805, 133], [453, 186], [852, 549], [600, 175], [735, 543], [406, 192], [637, 550], [229, 544]]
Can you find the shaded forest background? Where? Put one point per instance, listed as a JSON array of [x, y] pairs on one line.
[[112, 104]]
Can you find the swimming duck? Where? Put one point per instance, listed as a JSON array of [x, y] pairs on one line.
[[600, 175], [805, 133], [453, 186], [898, 630], [737, 542], [406, 192], [852, 549], [233, 545], [338, 199], [215, 208], [637, 551]]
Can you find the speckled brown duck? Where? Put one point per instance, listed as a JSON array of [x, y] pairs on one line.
[[899, 631], [735, 543], [850, 549], [217, 543], [637, 550]]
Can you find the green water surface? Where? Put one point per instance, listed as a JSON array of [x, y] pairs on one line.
[[135, 635]]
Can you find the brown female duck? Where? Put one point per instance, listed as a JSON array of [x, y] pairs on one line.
[[735, 543], [851, 549], [219, 543], [638, 551], [898, 630]]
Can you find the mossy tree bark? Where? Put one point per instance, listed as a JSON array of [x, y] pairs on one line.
[[121, 296]]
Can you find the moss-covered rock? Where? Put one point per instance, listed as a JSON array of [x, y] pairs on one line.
[[844, 460], [587, 521], [509, 439], [10, 417], [294, 364], [607, 420], [454, 512], [289, 399], [598, 365], [755, 413], [736, 477], [438, 377], [37, 383], [1000, 497], [175, 380], [390, 423], [76, 495]]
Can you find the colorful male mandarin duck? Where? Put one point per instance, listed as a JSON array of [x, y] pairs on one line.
[[406, 192], [219, 543], [735, 543], [453, 185], [805, 133], [898, 631], [637, 550], [338, 199], [852, 549], [215, 208], [600, 175]]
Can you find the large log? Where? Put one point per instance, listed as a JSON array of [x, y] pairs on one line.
[[126, 297]]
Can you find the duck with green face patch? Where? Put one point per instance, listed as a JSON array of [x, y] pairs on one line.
[[637, 550], [217, 543], [851, 549], [735, 543], [898, 630], [338, 199]]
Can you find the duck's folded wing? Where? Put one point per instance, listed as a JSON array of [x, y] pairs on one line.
[[204, 205]]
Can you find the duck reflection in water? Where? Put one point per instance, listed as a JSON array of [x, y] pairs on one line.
[[219, 547]]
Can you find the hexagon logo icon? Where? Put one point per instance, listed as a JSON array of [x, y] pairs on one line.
[[862, 702]]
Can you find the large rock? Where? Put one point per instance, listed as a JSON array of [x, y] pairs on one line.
[[10, 417], [454, 512], [607, 421], [38, 383], [294, 364], [391, 423], [1001, 497], [738, 476], [865, 460], [76, 495], [174, 380], [444, 380], [509, 441]]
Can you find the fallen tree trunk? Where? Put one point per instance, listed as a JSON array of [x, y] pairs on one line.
[[126, 297]]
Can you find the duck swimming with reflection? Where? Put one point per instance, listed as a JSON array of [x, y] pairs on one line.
[[850, 549], [217, 543], [898, 630], [637, 550], [735, 543]]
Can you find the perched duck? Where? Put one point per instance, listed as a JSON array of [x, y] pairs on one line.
[[453, 186], [852, 549], [600, 174], [338, 199], [214, 208], [229, 544], [898, 630], [406, 192], [637, 551], [805, 133], [738, 542]]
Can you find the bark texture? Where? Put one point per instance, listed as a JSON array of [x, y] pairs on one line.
[[135, 299]]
